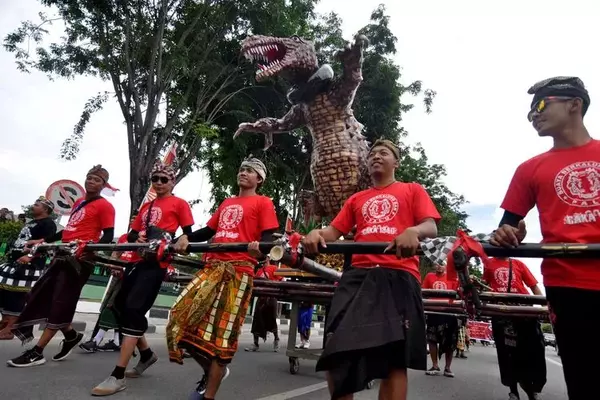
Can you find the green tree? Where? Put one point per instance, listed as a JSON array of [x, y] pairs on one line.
[[173, 58], [9, 230]]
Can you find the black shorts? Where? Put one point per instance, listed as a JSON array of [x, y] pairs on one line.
[[139, 290], [575, 316], [12, 303]]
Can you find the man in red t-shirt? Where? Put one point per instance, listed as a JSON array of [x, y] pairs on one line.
[[53, 299], [442, 330], [376, 323], [264, 319], [143, 279], [226, 281], [519, 342], [107, 319], [564, 184]]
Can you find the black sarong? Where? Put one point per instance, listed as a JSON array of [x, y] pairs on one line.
[[443, 330], [521, 353], [265, 317], [53, 299], [376, 325]]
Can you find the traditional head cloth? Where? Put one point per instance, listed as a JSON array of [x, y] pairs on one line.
[[44, 201], [162, 168], [567, 86], [100, 172], [389, 144], [256, 165]]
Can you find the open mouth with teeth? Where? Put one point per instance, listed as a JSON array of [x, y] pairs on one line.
[[269, 58]]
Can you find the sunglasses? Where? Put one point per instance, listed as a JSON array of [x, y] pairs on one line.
[[162, 179], [541, 105]]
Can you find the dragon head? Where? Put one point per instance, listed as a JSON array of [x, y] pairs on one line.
[[292, 58]]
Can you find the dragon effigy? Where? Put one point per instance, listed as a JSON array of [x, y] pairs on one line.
[[321, 103]]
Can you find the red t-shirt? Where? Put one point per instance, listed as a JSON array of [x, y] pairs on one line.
[[268, 272], [168, 213], [381, 214], [495, 273], [129, 256], [240, 220], [89, 221], [439, 282], [564, 184]]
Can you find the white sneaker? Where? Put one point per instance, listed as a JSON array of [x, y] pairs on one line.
[[111, 385]]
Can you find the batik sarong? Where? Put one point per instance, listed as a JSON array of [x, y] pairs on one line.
[[53, 299], [209, 314], [442, 330]]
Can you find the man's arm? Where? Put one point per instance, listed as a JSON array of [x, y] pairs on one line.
[[426, 229], [536, 290], [330, 233], [133, 236], [108, 235], [54, 238], [201, 235], [510, 218]]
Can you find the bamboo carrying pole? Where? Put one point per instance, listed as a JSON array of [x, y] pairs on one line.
[[525, 250]]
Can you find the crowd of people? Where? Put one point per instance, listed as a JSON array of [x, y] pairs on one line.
[[376, 326]]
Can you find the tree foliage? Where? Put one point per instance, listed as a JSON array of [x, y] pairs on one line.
[[9, 231], [173, 65]]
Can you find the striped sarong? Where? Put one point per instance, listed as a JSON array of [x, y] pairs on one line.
[[209, 313]]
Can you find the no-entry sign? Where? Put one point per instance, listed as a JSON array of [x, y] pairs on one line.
[[63, 194]]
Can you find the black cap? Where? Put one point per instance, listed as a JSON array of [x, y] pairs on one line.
[[567, 86]]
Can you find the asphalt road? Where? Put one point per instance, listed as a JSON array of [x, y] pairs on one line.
[[254, 376]]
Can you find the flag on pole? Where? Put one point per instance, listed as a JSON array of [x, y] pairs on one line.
[[168, 160], [109, 191], [289, 224]]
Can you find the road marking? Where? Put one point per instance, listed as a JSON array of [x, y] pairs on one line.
[[554, 362], [296, 392]]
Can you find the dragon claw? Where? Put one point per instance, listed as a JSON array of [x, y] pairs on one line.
[[243, 127]]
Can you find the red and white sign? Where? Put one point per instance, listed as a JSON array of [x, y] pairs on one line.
[[479, 330], [63, 194]]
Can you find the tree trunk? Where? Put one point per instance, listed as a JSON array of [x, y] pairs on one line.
[[138, 186]]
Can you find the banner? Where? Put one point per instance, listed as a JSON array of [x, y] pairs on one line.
[[479, 330]]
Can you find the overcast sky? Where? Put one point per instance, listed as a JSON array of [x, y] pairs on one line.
[[480, 59]]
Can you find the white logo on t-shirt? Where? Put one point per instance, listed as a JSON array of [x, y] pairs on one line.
[[578, 185], [231, 216], [75, 219], [155, 216], [440, 285], [379, 209], [501, 276]]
